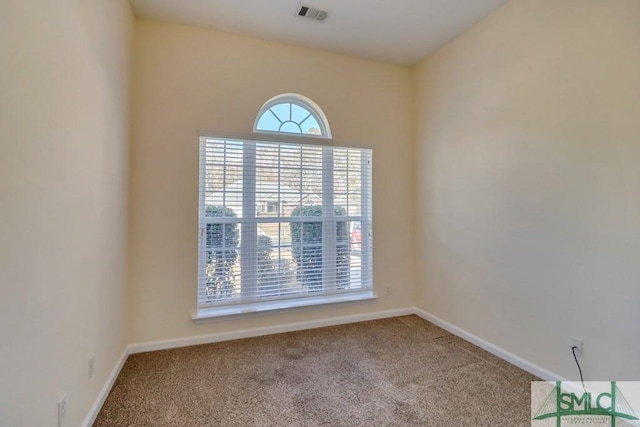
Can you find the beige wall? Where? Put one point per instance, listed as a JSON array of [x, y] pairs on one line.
[[64, 73], [528, 207], [187, 79]]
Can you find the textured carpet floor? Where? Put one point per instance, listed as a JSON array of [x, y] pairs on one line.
[[402, 371]]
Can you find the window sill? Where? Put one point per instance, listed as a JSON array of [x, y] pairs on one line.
[[233, 310]]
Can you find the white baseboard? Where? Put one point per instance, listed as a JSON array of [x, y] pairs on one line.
[[521, 363], [267, 330], [102, 396]]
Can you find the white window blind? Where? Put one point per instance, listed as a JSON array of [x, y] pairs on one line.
[[280, 221]]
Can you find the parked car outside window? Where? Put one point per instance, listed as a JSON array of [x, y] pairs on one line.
[[356, 236]]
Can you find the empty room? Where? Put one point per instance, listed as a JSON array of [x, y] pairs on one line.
[[323, 213]]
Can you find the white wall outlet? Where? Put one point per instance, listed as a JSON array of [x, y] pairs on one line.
[[62, 410], [91, 366], [577, 343]]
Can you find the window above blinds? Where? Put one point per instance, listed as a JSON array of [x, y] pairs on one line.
[[291, 113], [282, 224]]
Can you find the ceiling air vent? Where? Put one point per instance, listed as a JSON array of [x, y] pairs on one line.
[[311, 13]]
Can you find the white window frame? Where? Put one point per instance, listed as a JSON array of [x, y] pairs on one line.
[[249, 224], [302, 101], [249, 237]]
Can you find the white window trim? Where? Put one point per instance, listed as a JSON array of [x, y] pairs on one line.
[[256, 307], [294, 138], [287, 303]]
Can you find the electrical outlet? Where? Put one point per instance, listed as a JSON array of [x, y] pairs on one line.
[[91, 366], [62, 410], [576, 342], [388, 290]]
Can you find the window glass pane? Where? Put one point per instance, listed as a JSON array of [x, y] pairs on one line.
[[223, 170], [355, 278], [276, 266], [283, 111], [233, 177], [355, 205], [268, 122], [312, 157], [233, 153], [340, 159], [223, 166], [267, 155], [266, 179], [306, 249], [312, 181], [291, 117], [291, 178], [343, 266], [290, 156], [309, 267], [214, 177], [307, 210], [232, 203], [355, 182], [298, 113], [287, 272], [355, 235], [267, 204], [222, 262], [285, 234], [311, 126], [225, 204], [340, 182], [311, 200], [290, 127], [355, 160], [342, 231]]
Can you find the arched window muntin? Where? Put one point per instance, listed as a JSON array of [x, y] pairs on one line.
[[274, 118]]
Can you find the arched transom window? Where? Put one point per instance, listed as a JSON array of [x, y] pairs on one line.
[[292, 113]]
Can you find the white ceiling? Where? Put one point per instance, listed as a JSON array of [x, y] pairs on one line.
[[396, 31]]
